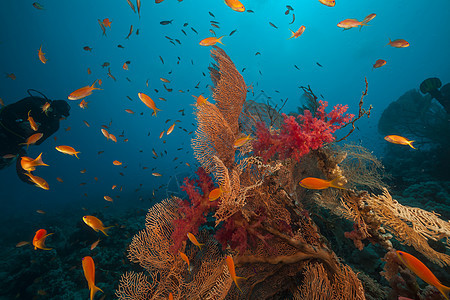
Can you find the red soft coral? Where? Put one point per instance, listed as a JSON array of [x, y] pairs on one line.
[[194, 211], [295, 139]]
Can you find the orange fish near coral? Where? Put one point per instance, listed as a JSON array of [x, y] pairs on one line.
[[242, 141], [67, 150], [211, 41], [230, 264], [89, 273], [42, 55], [320, 184], [149, 102], [298, 33], [235, 5], [423, 272], [329, 3], [33, 124], [399, 43], [194, 240], [186, 259], [396, 139], [38, 181], [215, 194], [169, 131], [33, 139], [379, 63], [39, 239], [200, 100], [95, 224], [83, 92]]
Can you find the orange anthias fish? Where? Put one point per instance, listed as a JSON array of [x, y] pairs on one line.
[[83, 92], [379, 63], [211, 41], [33, 139], [230, 264], [45, 107], [215, 194], [108, 198], [298, 33], [117, 163], [106, 22], [95, 244], [67, 150], [38, 181], [235, 5], [200, 100], [39, 239], [396, 139], [329, 3], [169, 131], [399, 43], [194, 241], [242, 141], [89, 273], [33, 124], [95, 224], [42, 55], [149, 102], [423, 272], [369, 18], [186, 259], [83, 104], [350, 23], [29, 164], [105, 133], [320, 184]]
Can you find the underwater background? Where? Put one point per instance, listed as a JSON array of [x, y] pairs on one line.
[[332, 61]]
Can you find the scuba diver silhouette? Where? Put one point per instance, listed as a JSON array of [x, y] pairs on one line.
[[15, 127]]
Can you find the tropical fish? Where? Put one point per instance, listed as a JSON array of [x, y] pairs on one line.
[[32, 139], [94, 244], [235, 5], [350, 23], [113, 137], [273, 25], [298, 33], [418, 268], [211, 41], [166, 22], [39, 239], [102, 26], [83, 92], [138, 4], [156, 174], [89, 274], [38, 6], [368, 18], [399, 43], [194, 241], [40, 211], [242, 141], [87, 48], [149, 102], [108, 198], [117, 163], [67, 150], [396, 139], [230, 264], [33, 124], [21, 244], [379, 63], [169, 131], [38, 181], [186, 259], [320, 184], [215, 194], [131, 5], [83, 104], [131, 31], [106, 22], [29, 164], [59, 179], [42, 55], [95, 224], [329, 3], [12, 76]]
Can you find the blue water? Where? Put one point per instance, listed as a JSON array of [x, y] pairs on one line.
[[63, 28]]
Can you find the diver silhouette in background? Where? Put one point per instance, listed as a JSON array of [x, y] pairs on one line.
[[15, 128], [433, 86]]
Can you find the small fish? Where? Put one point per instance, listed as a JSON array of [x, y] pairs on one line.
[[242, 141], [117, 163], [320, 184], [164, 80], [89, 274], [105, 64], [87, 48], [231, 269], [89, 71], [32, 139], [40, 211], [166, 22], [319, 65], [298, 33], [399, 43], [102, 26], [149, 102], [273, 25], [29, 164], [329, 3], [369, 18], [138, 4], [396, 139], [42, 55], [379, 63], [211, 41], [95, 224], [235, 5], [293, 19], [186, 259], [131, 30], [12, 76], [131, 5], [33, 124], [21, 244], [350, 23], [156, 174], [211, 14], [83, 92], [59, 179], [296, 67], [113, 138], [194, 241], [194, 30], [95, 244], [111, 75], [83, 104], [169, 131], [67, 150], [107, 23], [108, 198], [38, 6], [39, 239], [215, 194], [233, 32], [418, 268]]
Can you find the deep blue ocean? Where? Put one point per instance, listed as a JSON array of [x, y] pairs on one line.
[[332, 61]]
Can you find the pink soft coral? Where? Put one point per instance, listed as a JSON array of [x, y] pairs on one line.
[[194, 211], [295, 139]]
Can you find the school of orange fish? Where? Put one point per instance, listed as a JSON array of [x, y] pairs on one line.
[[30, 164]]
